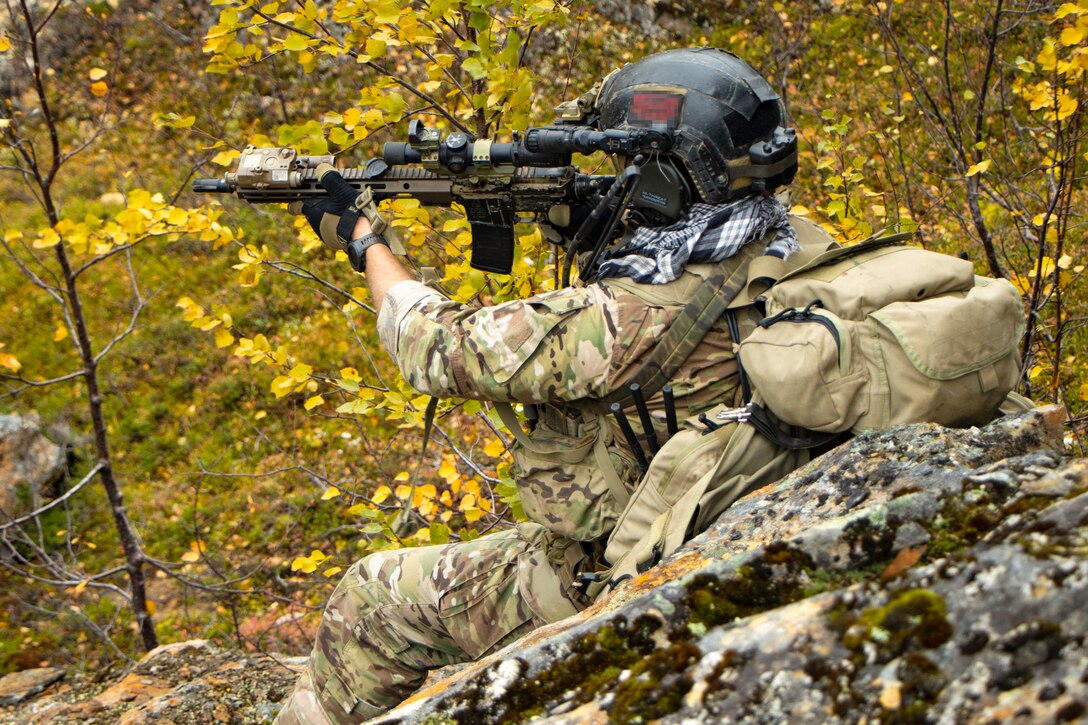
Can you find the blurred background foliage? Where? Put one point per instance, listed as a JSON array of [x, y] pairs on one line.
[[260, 437]]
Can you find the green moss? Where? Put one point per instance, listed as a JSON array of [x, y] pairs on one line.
[[595, 662], [961, 525], [656, 686], [912, 616], [772, 581], [438, 720]]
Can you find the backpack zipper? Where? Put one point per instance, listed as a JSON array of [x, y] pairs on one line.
[[839, 335]]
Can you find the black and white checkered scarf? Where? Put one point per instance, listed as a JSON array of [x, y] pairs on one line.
[[708, 233]]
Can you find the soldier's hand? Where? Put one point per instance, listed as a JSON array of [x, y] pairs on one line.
[[334, 217]]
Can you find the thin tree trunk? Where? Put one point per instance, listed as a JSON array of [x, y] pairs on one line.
[[134, 556]]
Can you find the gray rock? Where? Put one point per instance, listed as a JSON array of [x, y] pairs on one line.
[[29, 462], [916, 575], [923, 573], [19, 686], [186, 683]]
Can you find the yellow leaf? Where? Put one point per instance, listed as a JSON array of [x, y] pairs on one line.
[[304, 564], [301, 372], [352, 116], [313, 402], [60, 333], [190, 556], [249, 277], [177, 217], [100, 88], [224, 158], [97, 74], [332, 571], [330, 492], [1045, 269], [48, 238], [381, 494], [373, 118], [1065, 262], [980, 168], [1022, 284], [1065, 10], [10, 362], [494, 448], [357, 510], [5, 44], [350, 374], [223, 338], [78, 588], [1048, 57], [296, 42], [150, 605], [282, 385], [1067, 106], [1071, 36]]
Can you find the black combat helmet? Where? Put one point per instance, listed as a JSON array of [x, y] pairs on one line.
[[728, 123]]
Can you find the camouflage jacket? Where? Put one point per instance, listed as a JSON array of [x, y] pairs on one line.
[[558, 347]]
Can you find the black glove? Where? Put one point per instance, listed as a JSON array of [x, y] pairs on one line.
[[334, 217]]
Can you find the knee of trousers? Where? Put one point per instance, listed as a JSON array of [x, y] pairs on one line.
[[361, 661], [371, 586]]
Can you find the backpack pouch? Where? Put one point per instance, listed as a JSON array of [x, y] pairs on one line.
[[856, 281], [950, 360], [805, 366]]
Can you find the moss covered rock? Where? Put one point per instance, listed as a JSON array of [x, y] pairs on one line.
[[911, 575]]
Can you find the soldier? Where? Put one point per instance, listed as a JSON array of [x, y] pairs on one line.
[[567, 354]]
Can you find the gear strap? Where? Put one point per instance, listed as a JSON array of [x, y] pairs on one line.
[[686, 332]]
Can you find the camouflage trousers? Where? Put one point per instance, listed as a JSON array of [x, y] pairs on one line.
[[397, 614]]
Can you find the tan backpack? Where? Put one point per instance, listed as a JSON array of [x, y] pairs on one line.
[[852, 338], [869, 336]]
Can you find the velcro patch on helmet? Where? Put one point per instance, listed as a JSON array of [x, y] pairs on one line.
[[656, 109]]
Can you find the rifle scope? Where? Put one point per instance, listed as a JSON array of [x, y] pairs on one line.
[[544, 147]]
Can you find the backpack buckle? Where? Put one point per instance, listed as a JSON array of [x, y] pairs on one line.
[[735, 415], [586, 579]]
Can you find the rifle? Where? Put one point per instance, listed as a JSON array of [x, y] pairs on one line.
[[498, 184]]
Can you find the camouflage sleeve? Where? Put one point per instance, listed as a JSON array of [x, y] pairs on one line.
[[555, 346]]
